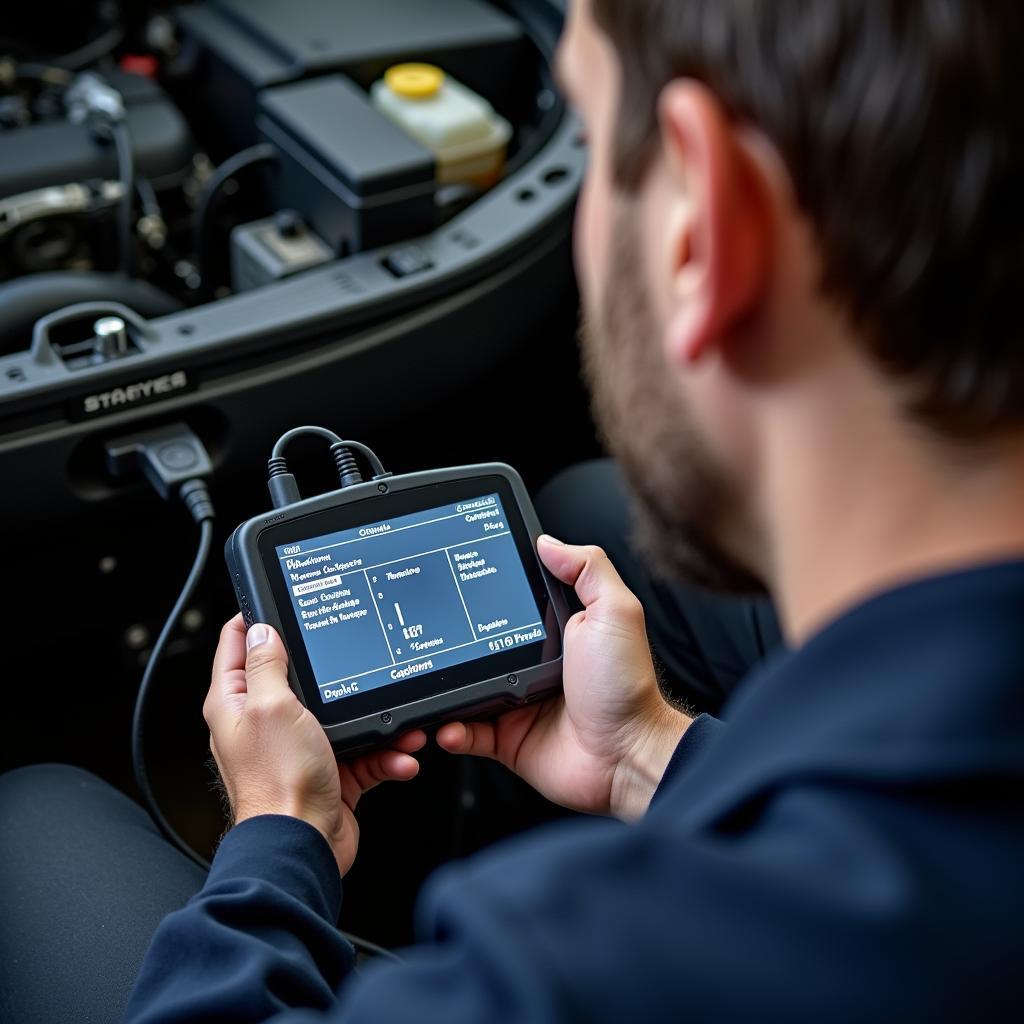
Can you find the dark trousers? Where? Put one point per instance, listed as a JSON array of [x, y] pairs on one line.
[[85, 878]]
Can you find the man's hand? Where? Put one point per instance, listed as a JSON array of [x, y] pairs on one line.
[[273, 755], [603, 745]]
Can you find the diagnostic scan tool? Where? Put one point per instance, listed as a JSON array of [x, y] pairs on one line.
[[404, 601]]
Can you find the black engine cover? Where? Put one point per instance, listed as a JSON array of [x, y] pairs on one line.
[[58, 152]]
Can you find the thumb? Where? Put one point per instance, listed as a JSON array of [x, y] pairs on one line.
[[478, 738], [266, 662], [584, 567]]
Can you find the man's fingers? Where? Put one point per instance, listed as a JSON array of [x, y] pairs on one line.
[[454, 737], [266, 663], [227, 679], [393, 764], [584, 567], [410, 742], [476, 738], [365, 772], [231, 647], [384, 766]]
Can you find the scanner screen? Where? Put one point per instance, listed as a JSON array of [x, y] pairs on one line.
[[399, 598]]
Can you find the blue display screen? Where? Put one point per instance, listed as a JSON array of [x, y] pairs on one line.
[[386, 602]]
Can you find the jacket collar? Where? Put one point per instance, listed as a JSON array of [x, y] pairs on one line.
[[919, 685]]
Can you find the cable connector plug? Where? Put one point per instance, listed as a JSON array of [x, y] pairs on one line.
[[345, 462], [196, 496], [284, 488], [172, 459]]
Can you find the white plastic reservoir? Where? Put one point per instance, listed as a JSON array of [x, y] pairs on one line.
[[459, 126]]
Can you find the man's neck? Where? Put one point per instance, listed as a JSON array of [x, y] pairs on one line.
[[870, 514]]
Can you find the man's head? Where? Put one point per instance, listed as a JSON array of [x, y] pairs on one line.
[[799, 217]]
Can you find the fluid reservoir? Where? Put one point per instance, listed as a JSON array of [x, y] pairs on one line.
[[459, 126]]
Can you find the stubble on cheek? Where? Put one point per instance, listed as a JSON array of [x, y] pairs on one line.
[[680, 496]]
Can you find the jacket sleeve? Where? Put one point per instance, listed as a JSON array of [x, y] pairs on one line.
[[795, 908], [703, 731], [258, 939]]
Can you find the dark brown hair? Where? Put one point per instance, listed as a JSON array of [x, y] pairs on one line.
[[901, 123]]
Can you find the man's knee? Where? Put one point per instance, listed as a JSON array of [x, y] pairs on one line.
[[39, 789], [87, 879]]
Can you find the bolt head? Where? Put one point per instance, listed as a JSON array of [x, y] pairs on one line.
[[107, 326]]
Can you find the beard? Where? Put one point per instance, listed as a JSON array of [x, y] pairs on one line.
[[681, 499]]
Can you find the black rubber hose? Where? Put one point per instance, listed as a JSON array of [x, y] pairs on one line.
[[125, 215], [24, 300], [254, 156], [94, 50], [147, 197]]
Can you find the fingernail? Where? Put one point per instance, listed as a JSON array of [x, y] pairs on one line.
[[548, 539], [258, 634]]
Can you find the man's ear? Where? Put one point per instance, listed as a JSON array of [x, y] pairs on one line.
[[721, 255]]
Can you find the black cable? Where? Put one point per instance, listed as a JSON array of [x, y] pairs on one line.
[[242, 161], [147, 197], [196, 498], [152, 227], [330, 436], [92, 51], [284, 489], [139, 715], [44, 73], [286, 438], [126, 175], [93, 101]]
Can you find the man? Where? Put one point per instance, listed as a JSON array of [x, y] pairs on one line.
[[798, 246]]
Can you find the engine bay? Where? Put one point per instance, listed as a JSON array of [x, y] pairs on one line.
[[212, 149], [238, 216]]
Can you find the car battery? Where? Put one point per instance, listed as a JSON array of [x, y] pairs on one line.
[[355, 177]]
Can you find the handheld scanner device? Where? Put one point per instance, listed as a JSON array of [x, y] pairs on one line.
[[406, 601]]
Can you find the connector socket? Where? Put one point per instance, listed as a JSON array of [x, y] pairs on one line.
[[168, 457]]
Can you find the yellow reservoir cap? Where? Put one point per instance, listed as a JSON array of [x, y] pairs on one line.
[[414, 81]]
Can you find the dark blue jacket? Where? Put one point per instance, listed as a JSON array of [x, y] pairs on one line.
[[850, 846]]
